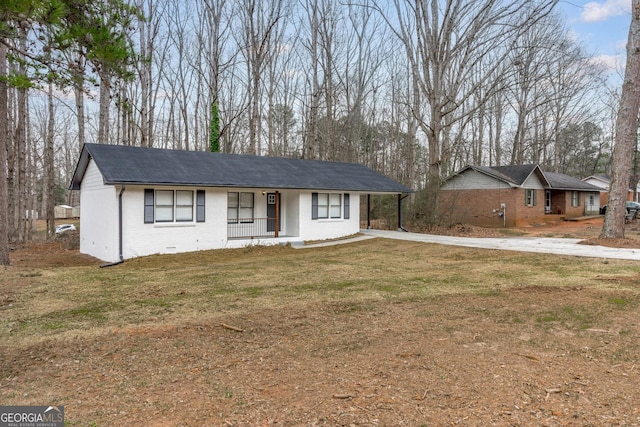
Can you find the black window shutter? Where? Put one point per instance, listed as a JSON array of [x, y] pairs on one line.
[[346, 206], [200, 206], [314, 205], [148, 206]]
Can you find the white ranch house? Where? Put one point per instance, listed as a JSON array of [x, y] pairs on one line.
[[141, 201]]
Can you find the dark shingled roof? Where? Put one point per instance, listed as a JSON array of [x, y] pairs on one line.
[[152, 166], [518, 174], [515, 175], [560, 181]]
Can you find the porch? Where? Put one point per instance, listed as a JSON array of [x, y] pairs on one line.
[[253, 228]]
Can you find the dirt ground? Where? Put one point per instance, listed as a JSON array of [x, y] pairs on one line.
[[471, 360]]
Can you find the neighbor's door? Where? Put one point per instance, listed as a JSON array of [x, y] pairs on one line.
[[273, 212], [547, 201]]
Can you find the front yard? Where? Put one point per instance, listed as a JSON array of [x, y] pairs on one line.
[[371, 333]]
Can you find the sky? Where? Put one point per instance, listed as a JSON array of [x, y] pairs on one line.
[[601, 27]]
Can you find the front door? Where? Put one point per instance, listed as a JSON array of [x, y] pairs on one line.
[[273, 212]]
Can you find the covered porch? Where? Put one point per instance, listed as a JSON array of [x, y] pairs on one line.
[[261, 214]]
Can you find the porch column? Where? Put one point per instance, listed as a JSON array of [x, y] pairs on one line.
[[399, 212], [277, 228], [368, 211]]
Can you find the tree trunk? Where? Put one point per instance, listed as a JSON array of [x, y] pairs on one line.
[[49, 178], [4, 194], [21, 150], [105, 101], [145, 77], [78, 88], [626, 127]]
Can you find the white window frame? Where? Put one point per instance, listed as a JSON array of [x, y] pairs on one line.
[[173, 206], [529, 197], [240, 207], [575, 199], [184, 205], [329, 205]]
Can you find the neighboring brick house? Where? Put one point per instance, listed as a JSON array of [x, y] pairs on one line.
[[511, 196]]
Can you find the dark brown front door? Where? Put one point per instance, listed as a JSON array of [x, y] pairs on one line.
[[273, 212]]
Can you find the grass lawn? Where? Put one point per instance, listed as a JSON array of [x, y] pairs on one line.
[[378, 332]]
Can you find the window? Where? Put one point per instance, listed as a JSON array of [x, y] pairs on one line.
[[184, 205], [239, 207], [336, 205], [328, 205], [529, 197], [323, 205], [164, 206], [575, 198], [171, 206]]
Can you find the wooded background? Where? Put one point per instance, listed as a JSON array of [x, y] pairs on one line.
[[413, 89]]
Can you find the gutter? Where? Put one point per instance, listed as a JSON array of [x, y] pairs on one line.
[[120, 251]]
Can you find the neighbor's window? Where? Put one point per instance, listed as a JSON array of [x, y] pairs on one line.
[[239, 207], [168, 206], [328, 205], [529, 197], [575, 198]]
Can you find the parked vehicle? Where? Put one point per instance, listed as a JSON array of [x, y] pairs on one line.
[[63, 228], [633, 208]]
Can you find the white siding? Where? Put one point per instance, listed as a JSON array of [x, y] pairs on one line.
[[99, 222], [99, 217], [321, 229], [142, 239], [533, 182], [291, 213], [473, 180], [598, 183]]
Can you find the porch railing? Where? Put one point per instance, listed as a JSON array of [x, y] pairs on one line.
[[256, 227]]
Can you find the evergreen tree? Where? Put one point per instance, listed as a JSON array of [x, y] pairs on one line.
[[214, 130]]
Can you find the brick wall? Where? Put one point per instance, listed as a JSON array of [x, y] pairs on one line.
[[477, 207]]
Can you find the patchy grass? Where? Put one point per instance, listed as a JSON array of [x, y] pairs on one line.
[[183, 287], [367, 333]]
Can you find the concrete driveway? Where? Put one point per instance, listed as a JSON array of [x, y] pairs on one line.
[[547, 245]]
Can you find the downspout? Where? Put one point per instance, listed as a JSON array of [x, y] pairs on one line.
[[400, 199], [120, 251]]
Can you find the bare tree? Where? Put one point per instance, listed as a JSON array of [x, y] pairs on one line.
[[49, 169], [626, 133], [4, 194], [321, 40], [20, 144], [312, 111], [261, 25], [455, 46]]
